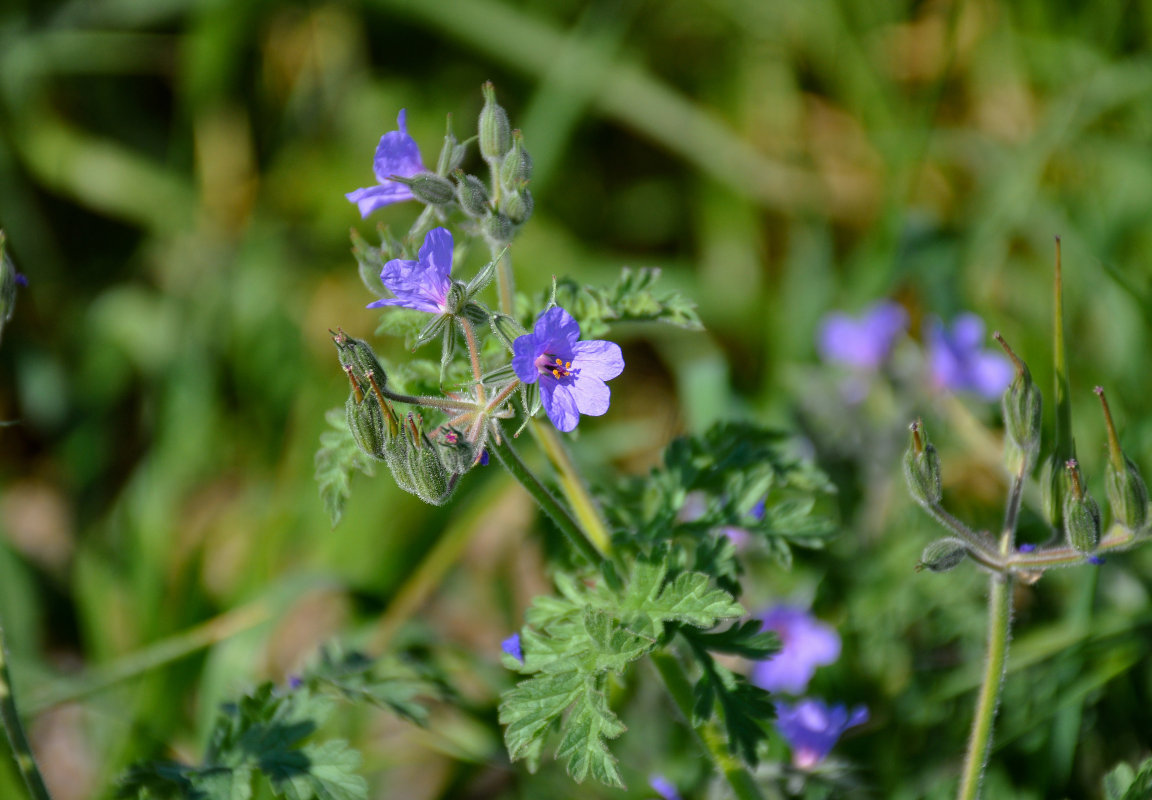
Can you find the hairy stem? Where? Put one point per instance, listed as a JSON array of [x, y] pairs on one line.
[[680, 689], [980, 740], [502, 448], [21, 750], [474, 357]]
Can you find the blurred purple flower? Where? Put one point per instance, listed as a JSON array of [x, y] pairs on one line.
[[422, 284], [958, 361], [812, 728], [21, 279], [863, 342], [512, 647], [806, 643], [397, 154], [571, 373], [663, 787]]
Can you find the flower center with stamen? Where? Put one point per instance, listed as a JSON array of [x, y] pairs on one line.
[[559, 368]]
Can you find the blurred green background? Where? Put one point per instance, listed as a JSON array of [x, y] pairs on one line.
[[171, 181]]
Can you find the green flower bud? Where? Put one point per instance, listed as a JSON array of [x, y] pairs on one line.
[[1127, 492], [430, 188], [516, 168], [457, 453], [1081, 512], [471, 195], [418, 469], [942, 555], [366, 421], [358, 355], [922, 469], [451, 154], [498, 229], [495, 132], [1021, 406], [517, 206]]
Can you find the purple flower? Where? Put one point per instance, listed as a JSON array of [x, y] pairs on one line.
[[806, 643], [397, 154], [958, 362], [663, 787], [21, 279], [422, 284], [512, 647], [571, 373], [862, 342], [813, 728]]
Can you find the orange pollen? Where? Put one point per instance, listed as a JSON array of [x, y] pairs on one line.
[[556, 365]]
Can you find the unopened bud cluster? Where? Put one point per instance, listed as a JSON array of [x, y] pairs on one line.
[[419, 465], [1068, 502]]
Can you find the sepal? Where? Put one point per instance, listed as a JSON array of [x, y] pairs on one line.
[[1081, 512], [922, 468], [942, 555]]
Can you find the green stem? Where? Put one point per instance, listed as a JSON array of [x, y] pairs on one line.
[[505, 281], [572, 484], [510, 460], [21, 750], [680, 689], [980, 741]]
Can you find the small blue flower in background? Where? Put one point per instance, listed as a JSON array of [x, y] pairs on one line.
[[862, 342], [397, 154], [806, 643], [663, 787], [571, 373], [812, 728], [422, 284], [512, 647], [958, 360]]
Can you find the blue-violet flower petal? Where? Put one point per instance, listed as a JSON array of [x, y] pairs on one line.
[[397, 154], [422, 284], [806, 643], [812, 728], [571, 373]]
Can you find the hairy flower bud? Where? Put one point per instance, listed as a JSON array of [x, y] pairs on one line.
[[471, 195], [516, 168], [1022, 407], [430, 188], [497, 229], [1081, 512], [358, 355], [1127, 492], [517, 206], [457, 453], [417, 467], [942, 555], [495, 132], [366, 422], [451, 154], [922, 468]]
